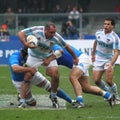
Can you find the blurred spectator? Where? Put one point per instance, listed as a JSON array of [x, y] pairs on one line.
[[64, 33], [74, 16], [85, 20], [9, 18], [22, 20], [69, 31], [35, 6], [72, 31], [68, 8], [4, 34], [85, 4], [57, 9]]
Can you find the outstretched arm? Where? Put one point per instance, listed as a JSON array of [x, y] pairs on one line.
[[69, 49]]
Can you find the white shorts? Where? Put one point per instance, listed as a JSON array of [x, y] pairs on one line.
[[84, 64], [37, 79], [36, 62], [17, 85], [101, 64]]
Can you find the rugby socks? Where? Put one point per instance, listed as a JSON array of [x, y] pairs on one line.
[[61, 93], [104, 86], [115, 90], [107, 95], [53, 94], [79, 99]]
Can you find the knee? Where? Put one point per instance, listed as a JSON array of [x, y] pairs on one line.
[[97, 82], [71, 77], [54, 74]]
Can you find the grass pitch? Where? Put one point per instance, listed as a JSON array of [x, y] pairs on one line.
[[96, 108]]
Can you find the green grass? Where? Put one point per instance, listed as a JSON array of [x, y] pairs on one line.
[[96, 108]]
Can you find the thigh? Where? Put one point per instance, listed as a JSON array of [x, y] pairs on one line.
[[109, 74], [97, 75], [76, 73], [85, 83], [52, 71], [52, 68]]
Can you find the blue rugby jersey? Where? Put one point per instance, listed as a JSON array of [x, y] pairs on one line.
[[66, 59], [16, 59]]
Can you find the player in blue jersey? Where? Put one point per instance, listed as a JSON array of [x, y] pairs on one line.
[[105, 53], [17, 68], [41, 54], [79, 75]]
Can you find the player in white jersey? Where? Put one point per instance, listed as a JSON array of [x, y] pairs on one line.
[[105, 53], [17, 69], [42, 54]]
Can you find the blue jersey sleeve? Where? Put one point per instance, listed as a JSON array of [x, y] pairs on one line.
[[16, 59]]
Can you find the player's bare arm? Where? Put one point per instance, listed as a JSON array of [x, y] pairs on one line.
[[76, 60], [26, 43], [21, 69], [116, 53], [55, 55]]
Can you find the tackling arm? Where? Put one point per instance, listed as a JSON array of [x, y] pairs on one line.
[[69, 49], [21, 69]]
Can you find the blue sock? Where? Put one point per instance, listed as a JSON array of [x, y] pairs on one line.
[[107, 95], [80, 99], [61, 93]]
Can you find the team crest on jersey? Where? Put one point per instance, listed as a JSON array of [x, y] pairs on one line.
[[98, 37]]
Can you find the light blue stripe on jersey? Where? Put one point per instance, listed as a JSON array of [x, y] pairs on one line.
[[104, 55]]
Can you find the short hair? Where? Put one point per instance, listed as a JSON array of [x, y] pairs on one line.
[[47, 26], [112, 21]]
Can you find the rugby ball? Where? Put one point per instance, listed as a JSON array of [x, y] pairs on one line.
[[32, 39]]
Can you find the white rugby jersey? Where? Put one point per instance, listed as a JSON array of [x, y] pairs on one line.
[[44, 45], [106, 43]]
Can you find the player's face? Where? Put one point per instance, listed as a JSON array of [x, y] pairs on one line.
[[108, 27], [49, 33]]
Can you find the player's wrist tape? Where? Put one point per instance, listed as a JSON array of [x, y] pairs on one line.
[[57, 53]]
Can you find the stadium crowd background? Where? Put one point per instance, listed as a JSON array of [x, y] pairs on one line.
[[29, 13], [47, 6]]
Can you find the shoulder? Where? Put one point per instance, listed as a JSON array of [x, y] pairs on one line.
[[33, 28], [57, 35], [15, 56], [99, 31], [115, 35]]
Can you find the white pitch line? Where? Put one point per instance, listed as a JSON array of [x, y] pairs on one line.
[[110, 117], [43, 102]]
